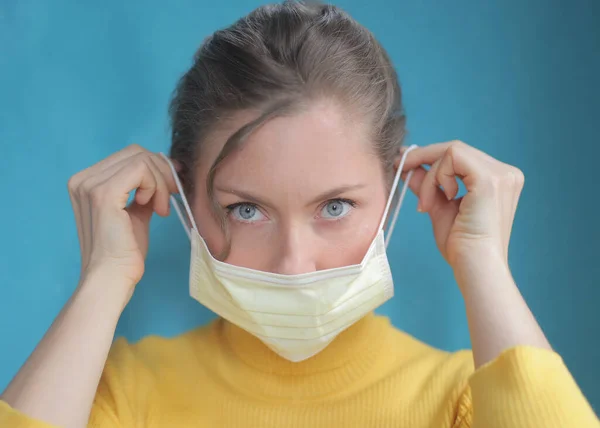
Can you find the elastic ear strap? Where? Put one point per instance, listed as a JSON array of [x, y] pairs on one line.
[[392, 193], [397, 210], [184, 199]]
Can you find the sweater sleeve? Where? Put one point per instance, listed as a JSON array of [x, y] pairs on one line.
[[10, 417], [111, 407], [524, 387], [101, 417]]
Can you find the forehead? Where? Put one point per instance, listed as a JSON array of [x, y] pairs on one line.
[[321, 142]]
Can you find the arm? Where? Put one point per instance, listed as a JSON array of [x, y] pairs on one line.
[[58, 382], [472, 233], [519, 381], [498, 317]]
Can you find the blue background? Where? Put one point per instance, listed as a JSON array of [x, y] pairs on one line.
[[517, 79]]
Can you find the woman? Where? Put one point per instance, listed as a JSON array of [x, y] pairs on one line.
[[287, 135]]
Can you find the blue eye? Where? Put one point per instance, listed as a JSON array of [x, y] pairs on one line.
[[336, 208], [245, 212]]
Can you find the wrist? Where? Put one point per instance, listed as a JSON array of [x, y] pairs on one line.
[[482, 266], [104, 290]]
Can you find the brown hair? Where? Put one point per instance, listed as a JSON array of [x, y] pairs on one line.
[[272, 61]]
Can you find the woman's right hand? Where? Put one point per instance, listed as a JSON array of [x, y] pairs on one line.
[[113, 236]]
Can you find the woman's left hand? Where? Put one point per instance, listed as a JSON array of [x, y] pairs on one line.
[[477, 224]]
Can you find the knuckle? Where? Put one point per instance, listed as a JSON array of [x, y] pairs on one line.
[[454, 147], [496, 181], [84, 188], [72, 184], [137, 162], [143, 158], [97, 195], [517, 176], [143, 165], [512, 177], [134, 148]]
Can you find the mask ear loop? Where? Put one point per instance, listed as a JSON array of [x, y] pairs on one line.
[[393, 191], [190, 221]]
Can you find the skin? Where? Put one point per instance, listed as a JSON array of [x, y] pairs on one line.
[[316, 159], [292, 229]]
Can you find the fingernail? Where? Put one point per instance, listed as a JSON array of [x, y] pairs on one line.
[[419, 207]]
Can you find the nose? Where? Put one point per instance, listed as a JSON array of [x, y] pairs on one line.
[[296, 253]]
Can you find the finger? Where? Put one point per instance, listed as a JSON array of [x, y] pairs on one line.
[[138, 176], [107, 162], [166, 173], [467, 163], [470, 167], [441, 219], [79, 195], [427, 155], [416, 180], [145, 157], [161, 196], [75, 192], [113, 185], [416, 185], [446, 177], [430, 194]]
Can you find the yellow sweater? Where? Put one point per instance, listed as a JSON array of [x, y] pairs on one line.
[[372, 375]]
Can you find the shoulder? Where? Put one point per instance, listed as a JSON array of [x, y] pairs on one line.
[[423, 377], [431, 370], [136, 373], [153, 353], [427, 359]]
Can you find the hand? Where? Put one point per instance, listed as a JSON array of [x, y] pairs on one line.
[[465, 228], [113, 237]]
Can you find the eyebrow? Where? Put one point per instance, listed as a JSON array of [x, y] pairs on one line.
[[330, 194], [333, 193], [244, 195]]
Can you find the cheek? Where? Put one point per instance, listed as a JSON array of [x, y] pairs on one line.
[[353, 246], [254, 247], [349, 245], [349, 249]]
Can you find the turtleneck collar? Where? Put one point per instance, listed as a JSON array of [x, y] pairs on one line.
[[250, 366]]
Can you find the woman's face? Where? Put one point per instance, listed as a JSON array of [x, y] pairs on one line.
[[305, 192]]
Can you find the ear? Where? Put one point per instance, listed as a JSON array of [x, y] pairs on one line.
[[398, 158]]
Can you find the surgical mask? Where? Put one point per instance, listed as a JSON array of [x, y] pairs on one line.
[[296, 316]]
